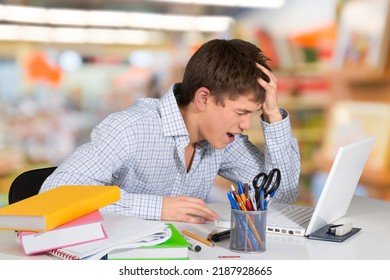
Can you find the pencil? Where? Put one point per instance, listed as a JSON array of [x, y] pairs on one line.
[[200, 239]]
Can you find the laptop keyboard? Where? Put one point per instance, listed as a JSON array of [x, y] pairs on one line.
[[289, 216]]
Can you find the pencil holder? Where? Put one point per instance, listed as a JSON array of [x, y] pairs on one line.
[[248, 231]]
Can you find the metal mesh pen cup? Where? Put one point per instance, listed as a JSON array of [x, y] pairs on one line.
[[248, 231]]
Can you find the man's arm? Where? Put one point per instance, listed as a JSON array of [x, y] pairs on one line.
[[281, 149], [97, 162]]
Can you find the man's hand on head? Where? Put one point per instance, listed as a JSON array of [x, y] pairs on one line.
[[270, 106]]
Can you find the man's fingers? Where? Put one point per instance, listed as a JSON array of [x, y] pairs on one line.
[[271, 76], [187, 209], [199, 209]]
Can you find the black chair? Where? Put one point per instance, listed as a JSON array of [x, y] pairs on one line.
[[28, 183]]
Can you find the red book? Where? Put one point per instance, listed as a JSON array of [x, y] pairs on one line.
[[87, 228]]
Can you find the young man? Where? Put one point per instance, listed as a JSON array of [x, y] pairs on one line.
[[165, 153]]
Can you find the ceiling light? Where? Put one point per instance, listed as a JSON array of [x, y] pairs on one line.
[[22, 14], [81, 18], [230, 3], [69, 35], [106, 18], [9, 32], [66, 17], [179, 22]]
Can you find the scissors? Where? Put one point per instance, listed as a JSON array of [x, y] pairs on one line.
[[268, 185]]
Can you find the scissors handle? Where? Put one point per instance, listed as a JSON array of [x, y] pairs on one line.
[[258, 187], [267, 187]]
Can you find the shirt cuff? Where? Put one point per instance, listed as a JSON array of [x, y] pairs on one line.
[[277, 135], [138, 205], [147, 206]]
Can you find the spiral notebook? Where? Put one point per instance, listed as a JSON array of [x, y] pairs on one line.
[[122, 232]]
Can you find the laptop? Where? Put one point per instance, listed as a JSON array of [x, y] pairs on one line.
[[335, 197]]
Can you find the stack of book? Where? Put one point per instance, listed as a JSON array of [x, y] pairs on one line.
[[60, 217], [68, 222], [87, 228]]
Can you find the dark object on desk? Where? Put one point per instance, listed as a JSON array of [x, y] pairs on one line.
[[327, 233], [219, 236], [28, 184], [194, 247]]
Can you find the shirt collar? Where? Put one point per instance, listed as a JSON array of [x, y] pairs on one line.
[[172, 120]]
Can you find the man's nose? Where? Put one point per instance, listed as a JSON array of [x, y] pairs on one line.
[[245, 122]]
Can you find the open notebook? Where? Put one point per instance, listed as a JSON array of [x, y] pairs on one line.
[[335, 197], [123, 232]]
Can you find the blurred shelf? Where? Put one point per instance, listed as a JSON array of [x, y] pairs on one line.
[[308, 101], [308, 134], [361, 76]]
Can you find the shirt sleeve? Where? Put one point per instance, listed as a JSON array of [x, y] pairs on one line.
[[138, 205], [281, 150], [98, 163], [242, 161]]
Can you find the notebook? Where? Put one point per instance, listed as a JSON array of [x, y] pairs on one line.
[[175, 248], [334, 200], [123, 232]]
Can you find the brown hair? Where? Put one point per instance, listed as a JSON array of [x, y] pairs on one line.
[[227, 68]]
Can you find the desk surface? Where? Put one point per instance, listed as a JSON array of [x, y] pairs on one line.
[[372, 242]]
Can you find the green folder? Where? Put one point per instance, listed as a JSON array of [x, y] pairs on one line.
[[175, 248]]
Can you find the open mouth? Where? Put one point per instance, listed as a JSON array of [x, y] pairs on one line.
[[231, 136]]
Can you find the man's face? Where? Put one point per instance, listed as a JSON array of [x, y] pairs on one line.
[[223, 121]]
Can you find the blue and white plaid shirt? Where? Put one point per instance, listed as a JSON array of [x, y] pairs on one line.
[[141, 150]]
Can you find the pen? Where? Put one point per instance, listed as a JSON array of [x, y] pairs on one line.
[[268, 200], [246, 190], [240, 188], [241, 191], [240, 203], [248, 204], [234, 193], [260, 203], [232, 201], [252, 197], [193, 247], [219, 236], [198, 238]]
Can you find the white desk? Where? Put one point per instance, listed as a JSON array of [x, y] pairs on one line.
[[372, 242]]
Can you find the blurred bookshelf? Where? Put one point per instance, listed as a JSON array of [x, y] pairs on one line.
[[309, 88]]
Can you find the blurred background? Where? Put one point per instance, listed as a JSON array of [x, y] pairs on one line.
[[66, 64]]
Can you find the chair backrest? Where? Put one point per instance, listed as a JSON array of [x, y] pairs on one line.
[[28, 184]]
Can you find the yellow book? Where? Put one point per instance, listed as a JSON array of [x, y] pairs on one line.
[[53, 208]]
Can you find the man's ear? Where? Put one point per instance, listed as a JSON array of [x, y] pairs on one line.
[[201, 98]]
